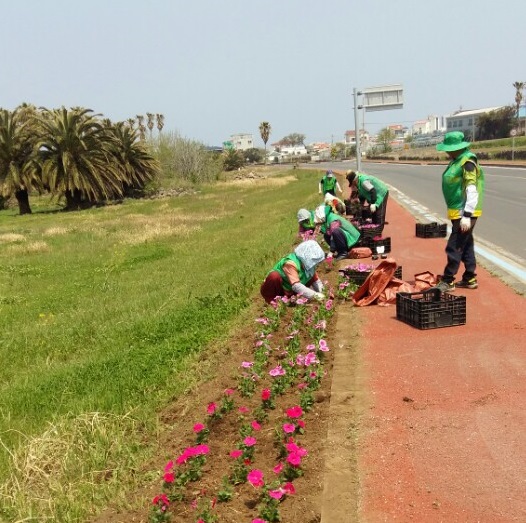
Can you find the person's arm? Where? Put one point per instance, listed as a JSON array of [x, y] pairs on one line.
[[338, 187], [472, 195], [371, 191], [320, 186], [291, 273]]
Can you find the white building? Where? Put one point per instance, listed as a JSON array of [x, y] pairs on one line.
[[242, 141], [466, 121]]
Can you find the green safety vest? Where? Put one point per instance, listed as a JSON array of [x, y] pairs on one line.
[[328, 184], [352, 234], [279, 267], [381, 188], [454, 182]]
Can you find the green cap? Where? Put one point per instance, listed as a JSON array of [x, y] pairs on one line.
[[453, 141]]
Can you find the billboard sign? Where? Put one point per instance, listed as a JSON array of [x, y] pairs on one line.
[[383, 97]]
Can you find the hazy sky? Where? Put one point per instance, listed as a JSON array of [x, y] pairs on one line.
[[218, 67]]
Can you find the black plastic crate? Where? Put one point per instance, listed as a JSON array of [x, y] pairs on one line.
[[430, 309], [431, 230], [358, 277], [372, 243], [366, 231]]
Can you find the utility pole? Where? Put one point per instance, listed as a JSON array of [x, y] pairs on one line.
[[357, 130]]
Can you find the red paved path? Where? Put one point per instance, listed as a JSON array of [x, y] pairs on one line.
[[454, 450]]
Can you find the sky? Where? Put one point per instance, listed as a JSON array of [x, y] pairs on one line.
[[215, 68]]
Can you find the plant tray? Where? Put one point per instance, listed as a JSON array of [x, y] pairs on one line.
[[430, 309], [431, 230], [358, 277], [370, 232], [373, 243]]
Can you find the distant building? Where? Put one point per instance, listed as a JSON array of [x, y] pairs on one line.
[[431, 125], [242, 141], [466, 121]]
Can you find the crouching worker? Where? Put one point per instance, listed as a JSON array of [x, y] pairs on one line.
[[341, 235], [306, 224], [296, 274]]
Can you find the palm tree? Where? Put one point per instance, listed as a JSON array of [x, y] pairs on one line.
[[519, 86], [19, 173], [138, 166], [151, 122], [264, 131], [160, 121], [131, 123], [75, 156]]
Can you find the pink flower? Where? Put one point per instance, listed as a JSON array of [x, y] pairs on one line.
[[256, 425], [250, 441], [311, 347], [169, 477], [302, 385], [257, 520], [278, 370], [278, 468], [310, 359], [293, 448], [258, 343], [323, 346], [294, 459], [289, 489], [228, 392], [295, 412], [247, 364], [201, 449], [255, 478], [198, 427], [289, 428], [169, 466], [276, 494], [211, 408], [201, 520], [163, 498], [301, 423], [265, 394], [236, 454], [328, 305], [263, 321], [243, 410]]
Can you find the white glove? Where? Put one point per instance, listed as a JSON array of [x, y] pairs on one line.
[[329, 255], [465, 224], [319, 296], [372, 207]]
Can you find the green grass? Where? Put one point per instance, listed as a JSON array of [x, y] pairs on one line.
[[104, 313]]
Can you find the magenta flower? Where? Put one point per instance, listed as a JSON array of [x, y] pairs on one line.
[[243, 410], [255, 478], [265, 394], [293, 448], [211, 408], [278, 370], [289, 428], [198, 427], [295, 412], [289, 489], [278, 468], [250, 441], [294, 459], [169, 466], [228, 392], [258, 520], [311, 347], [276, 494], [301, 300], [302, 385], [236, 454], [163, 498], [323, 346], [256, 425], [169, 477], [310, 359]]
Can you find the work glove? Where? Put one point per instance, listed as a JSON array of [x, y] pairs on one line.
[[319, 296], [465, 224], [372, 207]]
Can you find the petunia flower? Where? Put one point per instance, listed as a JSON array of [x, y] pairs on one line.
[[236, 454], [211, 408], [289, 489], [265, 394], [247, 364], [256, 425], [289, 428], [198, 427], [276, 494], [255, 478], [169, 466], [278, 370], [169, 477], [278, 468], [249, 441], [295, 412], [228, 392]]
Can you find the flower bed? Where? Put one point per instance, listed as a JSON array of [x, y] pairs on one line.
[[249, 444]]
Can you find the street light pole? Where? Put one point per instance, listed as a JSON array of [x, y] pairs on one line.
[[357, 130]]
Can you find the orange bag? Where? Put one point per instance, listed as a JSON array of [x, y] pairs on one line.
[[360, 252]]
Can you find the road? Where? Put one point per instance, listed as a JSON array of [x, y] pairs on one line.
[[500, 231]]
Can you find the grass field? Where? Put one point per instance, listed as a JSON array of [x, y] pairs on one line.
[[104, 314]]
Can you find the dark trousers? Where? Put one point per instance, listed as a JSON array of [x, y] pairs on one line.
[[460, 248], [337, 241], [379, 216]]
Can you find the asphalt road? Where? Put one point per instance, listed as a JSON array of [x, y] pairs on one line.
[[501, 229]]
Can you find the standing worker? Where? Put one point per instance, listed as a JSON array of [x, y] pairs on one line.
[[463, 190], [329, 184], [373, 191]]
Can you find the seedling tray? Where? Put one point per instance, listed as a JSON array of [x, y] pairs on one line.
[[430, 309], [373, 243], [358, 277], [431, 230]]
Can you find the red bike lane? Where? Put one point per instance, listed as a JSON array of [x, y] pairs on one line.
[[443, 435]]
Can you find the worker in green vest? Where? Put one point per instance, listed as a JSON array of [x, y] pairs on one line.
[[295, 274], [373, 193], [339, 234], [463, 190], [329, 184]]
